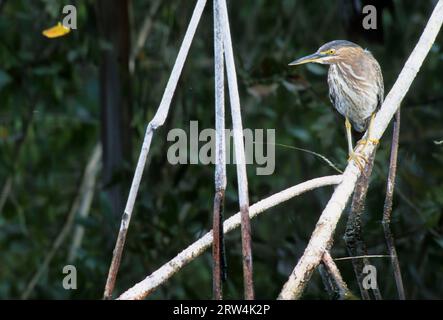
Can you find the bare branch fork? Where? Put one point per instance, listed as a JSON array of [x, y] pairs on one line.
[[145, 287], [324, 230]]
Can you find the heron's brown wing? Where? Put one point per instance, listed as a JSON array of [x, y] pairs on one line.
[[380, 84]]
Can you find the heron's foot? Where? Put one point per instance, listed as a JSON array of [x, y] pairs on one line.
[[359, 159], [364, 142]]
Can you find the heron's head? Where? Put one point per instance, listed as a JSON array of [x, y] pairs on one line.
[[332, 52]]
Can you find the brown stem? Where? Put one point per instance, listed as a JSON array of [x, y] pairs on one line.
[[247, 253], [353, 233], [387, 209], [115, 264], [218, 246]]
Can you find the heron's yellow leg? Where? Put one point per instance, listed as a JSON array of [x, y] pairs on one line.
[[359, 159], [348, 135], [369, 139]]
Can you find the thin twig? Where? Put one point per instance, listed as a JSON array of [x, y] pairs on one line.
[[327, 222], [143, 34], [239, 152], [219, 268], [316, 154], [387, 209], [86, 201], [363, 257], [161, 275], [156, 122]]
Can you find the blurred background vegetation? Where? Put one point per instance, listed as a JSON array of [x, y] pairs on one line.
[[60, 98]]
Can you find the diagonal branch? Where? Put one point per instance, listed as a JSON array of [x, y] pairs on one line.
[[157, 278], [324, 230], [158, 121]]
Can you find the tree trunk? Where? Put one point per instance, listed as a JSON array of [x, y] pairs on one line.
[[115, 96]]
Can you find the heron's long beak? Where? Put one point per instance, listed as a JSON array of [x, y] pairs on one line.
[[315, 57]]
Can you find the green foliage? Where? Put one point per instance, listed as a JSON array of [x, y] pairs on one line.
[[54, 85]]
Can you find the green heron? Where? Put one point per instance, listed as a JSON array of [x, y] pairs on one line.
[[355, 86]]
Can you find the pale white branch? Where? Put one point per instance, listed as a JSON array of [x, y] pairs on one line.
[[161, 275], [163, 109]]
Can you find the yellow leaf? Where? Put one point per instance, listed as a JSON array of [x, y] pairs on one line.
[[57, 31]]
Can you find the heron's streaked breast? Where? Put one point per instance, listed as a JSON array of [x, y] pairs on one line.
[[353, 94]]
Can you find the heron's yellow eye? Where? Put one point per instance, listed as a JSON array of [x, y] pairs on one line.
[[328, 52]]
